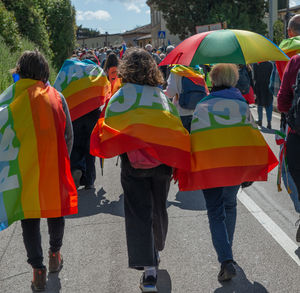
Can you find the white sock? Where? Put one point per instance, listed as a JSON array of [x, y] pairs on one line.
[[150, 271]]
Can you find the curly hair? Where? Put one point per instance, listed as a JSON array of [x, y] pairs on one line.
[[139, 67]]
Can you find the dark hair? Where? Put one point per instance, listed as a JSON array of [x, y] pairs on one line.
[[91, 57], [138, 66], [33, 65], [111, 61]]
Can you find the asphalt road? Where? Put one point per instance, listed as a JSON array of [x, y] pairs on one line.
[[94, 249]]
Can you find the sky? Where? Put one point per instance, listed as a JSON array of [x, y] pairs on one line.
[[112, 16], [116, 16]]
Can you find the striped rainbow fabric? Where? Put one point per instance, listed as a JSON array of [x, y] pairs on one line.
[[189, 72], [142, 117], [36, 180], [226, 146], [84, 85]]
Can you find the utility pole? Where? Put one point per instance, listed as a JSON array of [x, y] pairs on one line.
[[287, 18], [273, 12]]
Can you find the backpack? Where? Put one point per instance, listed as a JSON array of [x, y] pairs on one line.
[[191, 94], [293, 116], [243, 83]]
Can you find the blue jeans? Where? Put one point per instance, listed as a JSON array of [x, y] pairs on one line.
[[293, 188], [221, 211], [269, 110]]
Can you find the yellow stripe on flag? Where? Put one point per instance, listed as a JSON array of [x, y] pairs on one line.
[[21, 112], [226, 137]]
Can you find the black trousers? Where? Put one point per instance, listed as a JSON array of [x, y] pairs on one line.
[[293, 158], [80, 156], [32, 238], [146, 217]]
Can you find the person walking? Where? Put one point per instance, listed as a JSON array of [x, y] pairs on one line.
[[33, 69], [264, 97], [111, 70], [140, 121], [285, 99], [82, 162], [221, 202], [186, 86]]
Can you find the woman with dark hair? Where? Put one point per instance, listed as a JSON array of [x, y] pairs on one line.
[[111, 70], [33, 71]]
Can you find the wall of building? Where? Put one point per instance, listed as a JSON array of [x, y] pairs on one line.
[[101, 41], [158, 24]]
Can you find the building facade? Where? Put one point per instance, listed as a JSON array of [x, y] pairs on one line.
[[161, 36], [104, 40], [138, 37]]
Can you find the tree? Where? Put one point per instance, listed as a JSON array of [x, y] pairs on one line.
[[31, 22], [278, 31], [182, 16], [60, 21], [9, 29], [83, 32]]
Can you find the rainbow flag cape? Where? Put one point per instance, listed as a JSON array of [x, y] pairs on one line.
[[226, 146], [36, 180], [142, 117], [122, 51], [189, 72], [290, 47], [84, 85]]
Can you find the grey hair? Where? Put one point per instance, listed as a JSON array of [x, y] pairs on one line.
[[294, 24], [224, 74]]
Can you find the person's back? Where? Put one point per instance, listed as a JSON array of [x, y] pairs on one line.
[[186, 87], [285, 98], [43, 134]]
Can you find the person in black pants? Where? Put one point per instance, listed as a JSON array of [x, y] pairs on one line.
[[146, 182], [82, 162], [33, 65], [284, 103]]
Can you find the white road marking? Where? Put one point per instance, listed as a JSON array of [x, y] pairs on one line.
[[276, 232]]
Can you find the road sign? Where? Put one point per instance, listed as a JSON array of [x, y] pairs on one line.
[[209, 27], [161, 34]]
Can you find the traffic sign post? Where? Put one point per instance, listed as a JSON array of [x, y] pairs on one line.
[[161, 34]]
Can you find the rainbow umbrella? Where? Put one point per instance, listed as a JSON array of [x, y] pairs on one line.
[[225, 46]]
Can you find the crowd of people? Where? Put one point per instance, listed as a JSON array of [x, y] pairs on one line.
[[145, 173]]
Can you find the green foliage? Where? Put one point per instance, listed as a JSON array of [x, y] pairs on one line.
[[9, 60], [31, 22], [183, 15], [9, 28], [60, 20], [83, 32], [278, 31]]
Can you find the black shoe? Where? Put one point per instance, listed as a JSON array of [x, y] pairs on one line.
[[259, 123], [91, 186], [227, 271], [269, 125], [298, 231], [148, 284]]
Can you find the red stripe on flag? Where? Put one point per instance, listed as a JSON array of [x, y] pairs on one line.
[[86, 107], [68, 192], [123, 143]]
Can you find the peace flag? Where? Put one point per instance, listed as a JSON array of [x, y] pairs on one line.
[[84, 85], [226, 147], [290, 47], [189, 72], [35, 176], [142, 117]]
